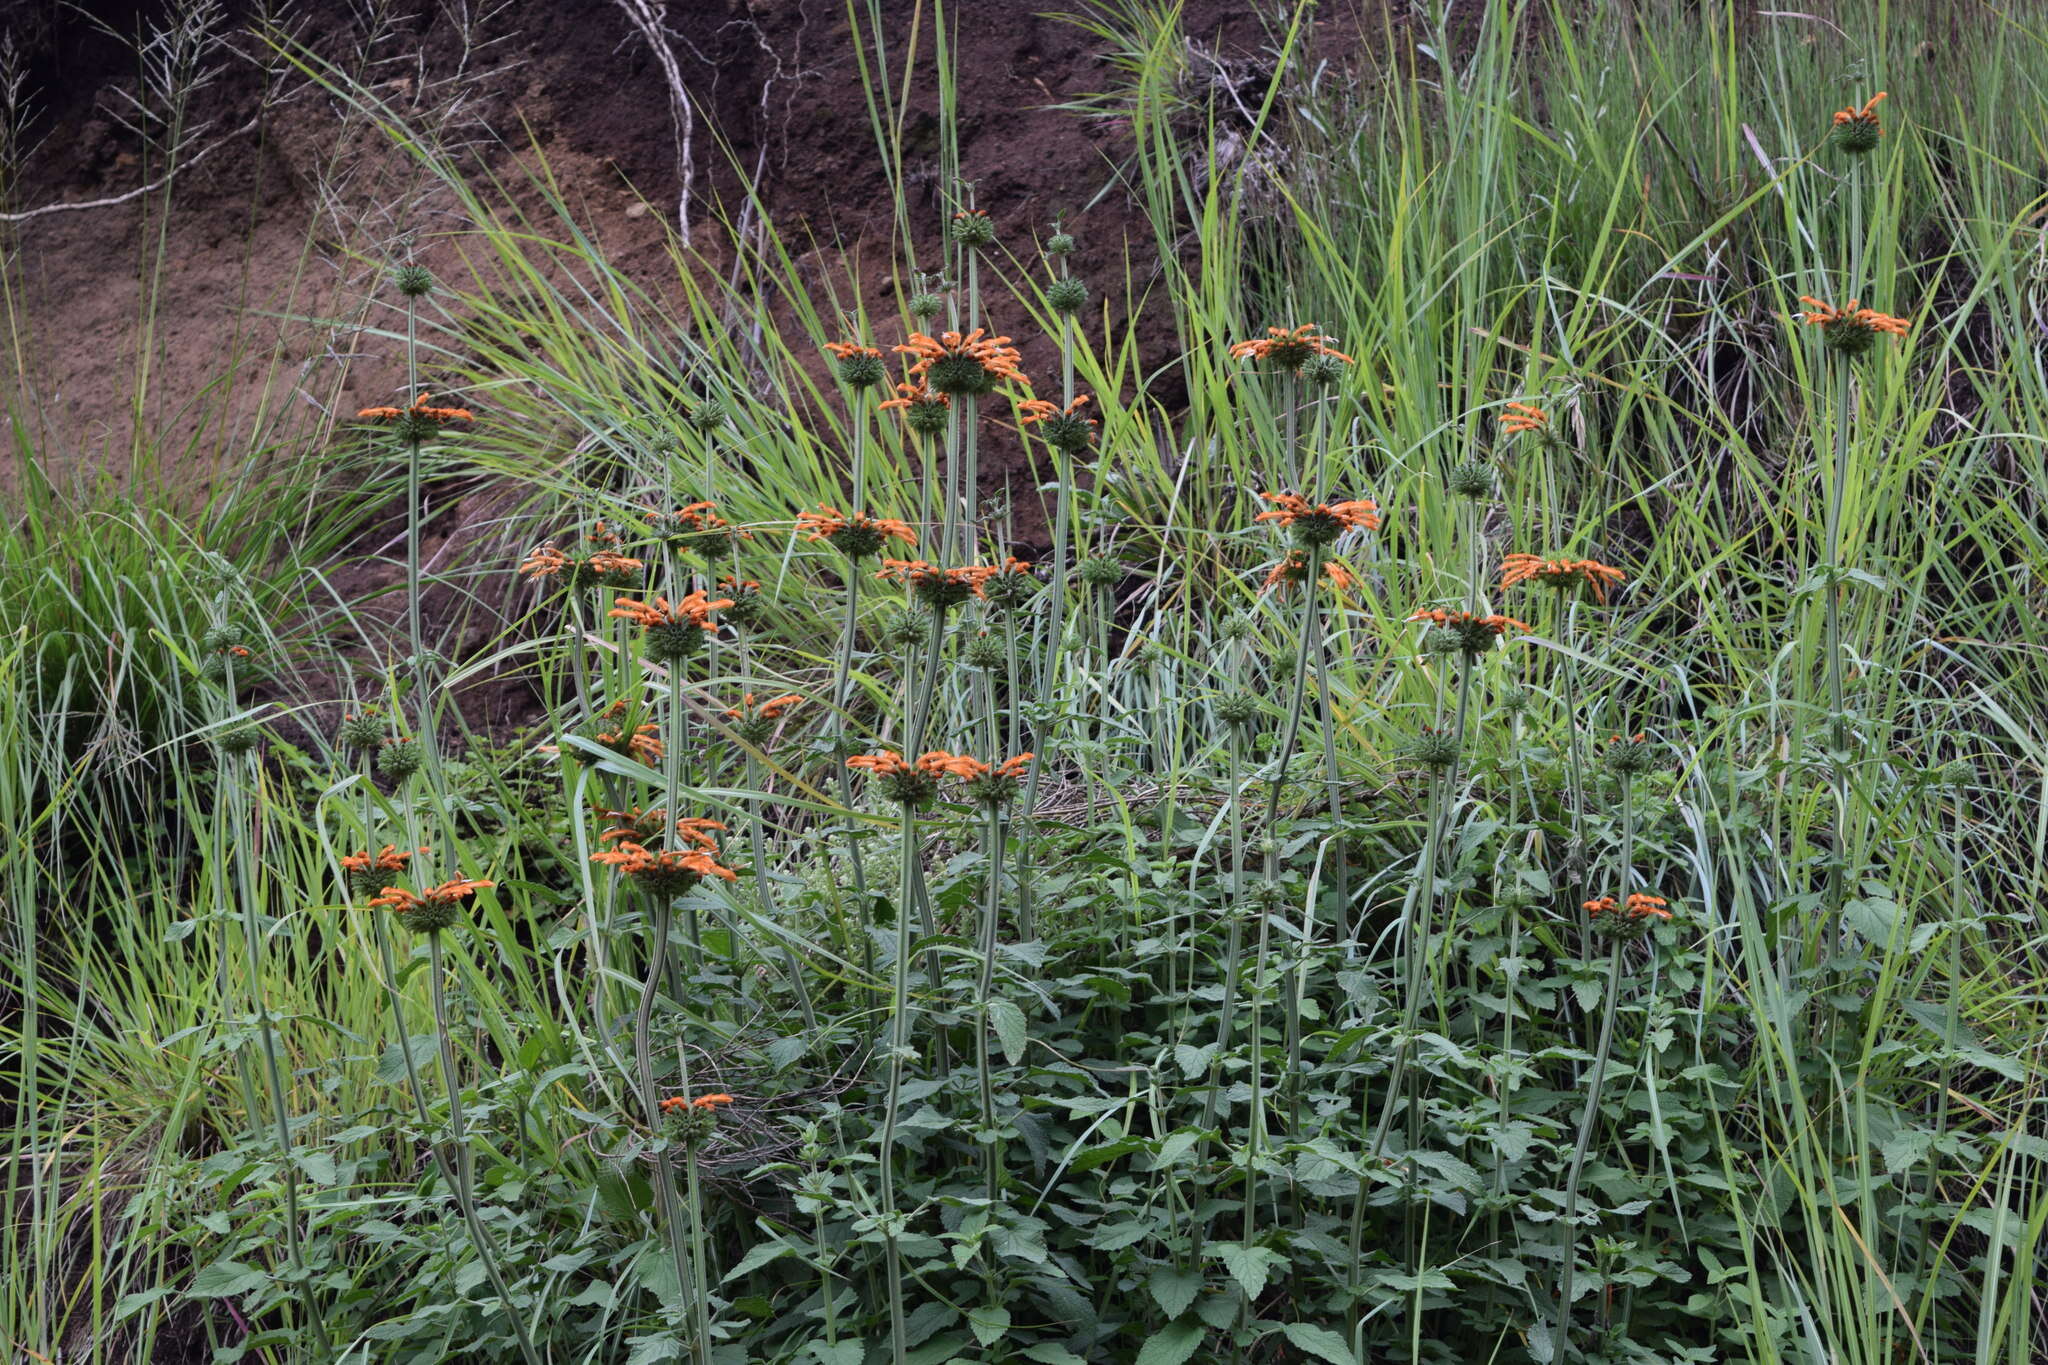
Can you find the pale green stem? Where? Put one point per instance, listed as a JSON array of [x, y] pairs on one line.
[[459, 1139], [245, 876], [984, 982], [1568, 1225], [899, 1009]]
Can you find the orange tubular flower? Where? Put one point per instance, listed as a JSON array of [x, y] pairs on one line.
[[1853, 329], [693, 610], [638, 827], [755, 722], [767, 710], [1323, 523], [669, 872], [855, 537], [1856, 128], [939, 588], [369, 875], [1602, 906], [913, 784], [1289, 350], [1496, 625], [677, 1103], [968, 364], [1588, 575], [419, 413], [432, 910], [1293, 568], [991, 784], [1465, 632], [1647, 907], [641, 743], [600, 565], [1524, 417]]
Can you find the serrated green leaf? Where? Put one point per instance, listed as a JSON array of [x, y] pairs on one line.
[[1174, 1289], [758, 1255], [1193, 1061], [1008, 1022], [989, 1325], [1172, 1345], [391, 1065], [1049, 1353], [1249, 1266], [318, 1167], [1117, 1236], [1319, 1342], [225, 1278]]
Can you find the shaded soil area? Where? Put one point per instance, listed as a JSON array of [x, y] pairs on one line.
[[199, 223]]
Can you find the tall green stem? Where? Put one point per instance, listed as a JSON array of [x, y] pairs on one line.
[[288, 1171], [984, 983], [458, 1138], [899, 1010]]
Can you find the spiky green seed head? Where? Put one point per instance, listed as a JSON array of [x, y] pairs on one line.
[[691, 1125], [706, 415], [749, 605], [909, 788], [365, 882], [861, 370], [1616, 926], [360, 731], [1627, 758], [1100, 571], [960, 374], [1858, 136], [993, 790], [1323, 371], [907, 627], [1516, 700], [1008, 591], [1067, 432], [413, 281], [925, 305], [973, 228], [927, 418], [1848, 337], [1958, 772], [1067, 295], [1239, 626], [664, 881], [1060, 244], [399, 759], [1472, 479], [857, 539], [414, 426], [754, 731], [942, 592], [1240, 710], [221, 637], [1441, 641], [671, 642], [432, 916], [1433, 749], [985, 653], [238, 740]]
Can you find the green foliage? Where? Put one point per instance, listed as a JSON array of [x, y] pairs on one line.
[[1276, 1029]]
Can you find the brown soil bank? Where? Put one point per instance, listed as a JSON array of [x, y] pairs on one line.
[[166, 168]]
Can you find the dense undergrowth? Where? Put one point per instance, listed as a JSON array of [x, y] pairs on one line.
[[1275, 1008]]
